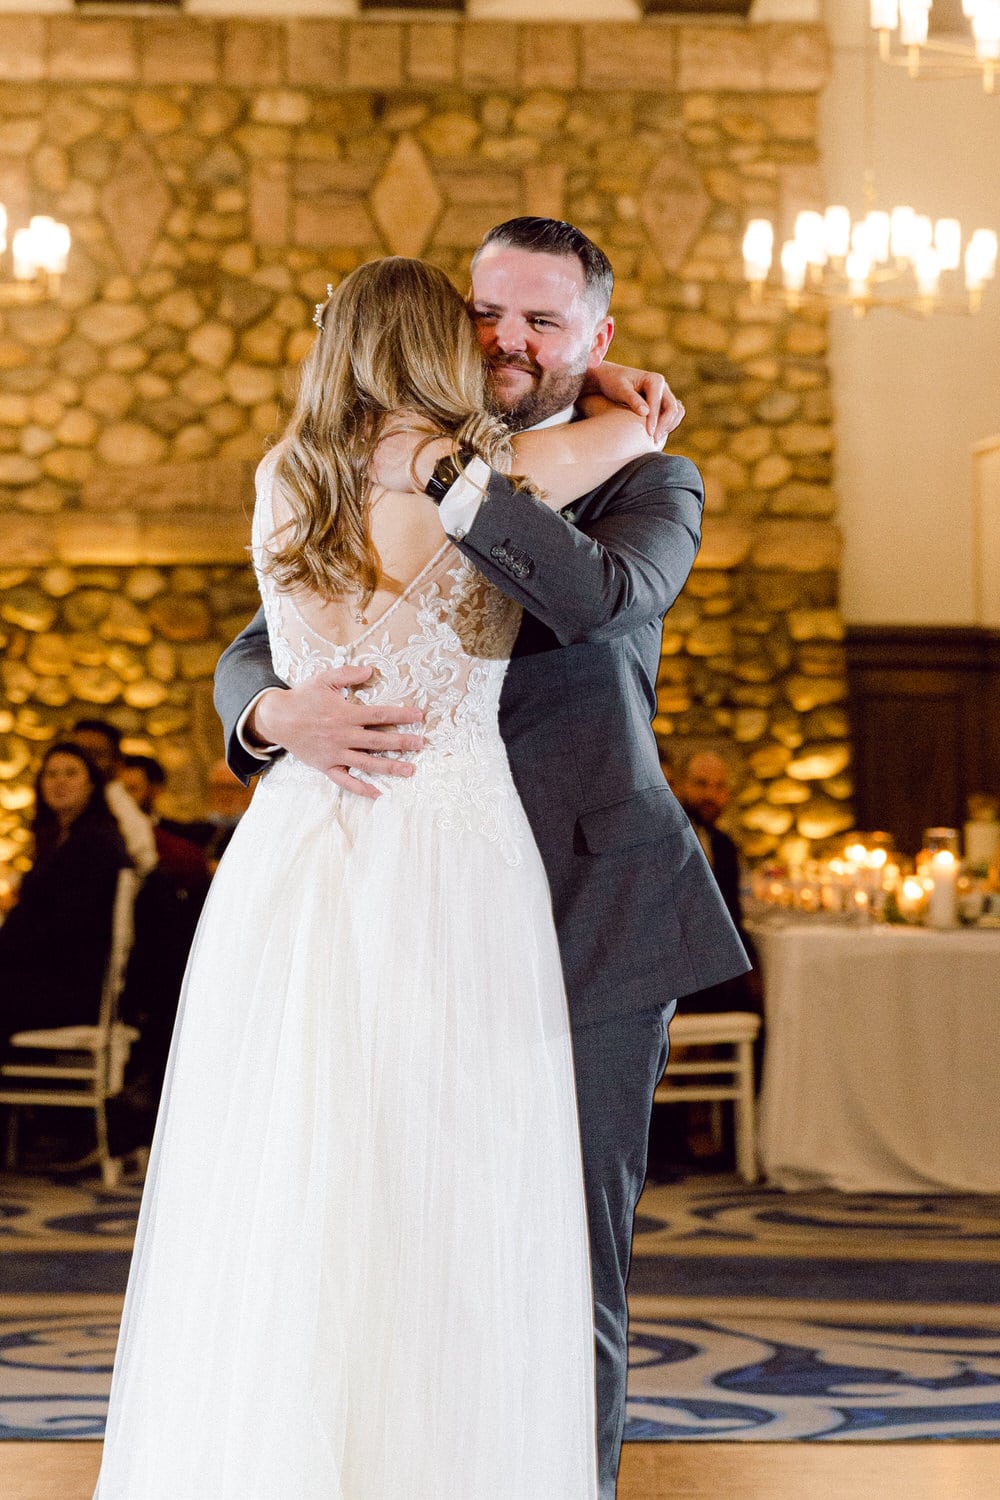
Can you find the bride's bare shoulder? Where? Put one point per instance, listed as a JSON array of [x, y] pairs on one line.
[[278, 509]]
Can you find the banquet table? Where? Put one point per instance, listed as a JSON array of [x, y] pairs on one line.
[[882, 1058]]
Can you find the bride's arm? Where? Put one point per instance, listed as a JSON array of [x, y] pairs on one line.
[[562, 462], [571, 460]]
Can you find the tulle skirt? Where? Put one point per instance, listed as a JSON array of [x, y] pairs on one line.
[[361, 1269]]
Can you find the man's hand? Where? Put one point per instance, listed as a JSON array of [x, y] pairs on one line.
[[321, 726], [642, 391]]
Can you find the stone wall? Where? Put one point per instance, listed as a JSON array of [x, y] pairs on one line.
[[216, 174]]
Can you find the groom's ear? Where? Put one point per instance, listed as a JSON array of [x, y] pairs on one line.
[[603, 334]]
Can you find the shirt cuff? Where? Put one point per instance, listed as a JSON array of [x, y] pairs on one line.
[[460, 506], [259, 752]]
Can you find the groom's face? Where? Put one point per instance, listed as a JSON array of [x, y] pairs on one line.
[[538, 328]]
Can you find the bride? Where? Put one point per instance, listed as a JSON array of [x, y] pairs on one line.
[[361, 1267]]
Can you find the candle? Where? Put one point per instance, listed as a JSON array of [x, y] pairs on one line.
[[910, 898], [942, 905]]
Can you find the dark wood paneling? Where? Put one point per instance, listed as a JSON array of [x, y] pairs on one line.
[[455, 6], [649, 7], [696, 7], [925, 722]]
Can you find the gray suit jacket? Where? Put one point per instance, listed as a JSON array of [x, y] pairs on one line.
[[639, 915]]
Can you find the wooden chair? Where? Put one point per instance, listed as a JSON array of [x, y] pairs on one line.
[[79, 1067], [718, 1078]]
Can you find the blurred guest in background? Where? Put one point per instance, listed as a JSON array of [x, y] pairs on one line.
[[54, 943], [704, 790], [181, 858], [702, 784], [102, 742], [166, 915]]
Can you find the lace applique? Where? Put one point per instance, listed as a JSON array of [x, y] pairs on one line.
[[442, 646]]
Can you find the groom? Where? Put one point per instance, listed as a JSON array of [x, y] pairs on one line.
[[639, 916]]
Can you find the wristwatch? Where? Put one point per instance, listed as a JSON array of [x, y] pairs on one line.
[[444, 474]]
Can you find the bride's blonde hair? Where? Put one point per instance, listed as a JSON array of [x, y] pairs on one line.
[[394, 337]]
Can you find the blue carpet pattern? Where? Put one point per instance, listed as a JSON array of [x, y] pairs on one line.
[[756, 1315], [779, 1381], [55, 1370]]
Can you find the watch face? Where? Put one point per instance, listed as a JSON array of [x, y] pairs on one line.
[[446, 470]]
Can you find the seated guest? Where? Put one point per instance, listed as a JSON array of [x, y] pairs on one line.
[[54, 944], [166, 915], [704, 791], [102, 742], [180, 858], [701, 783]]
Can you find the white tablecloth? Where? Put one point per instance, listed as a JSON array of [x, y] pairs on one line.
[[882, 1058]]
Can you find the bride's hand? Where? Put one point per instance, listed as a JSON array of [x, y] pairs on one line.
[[643, 391]]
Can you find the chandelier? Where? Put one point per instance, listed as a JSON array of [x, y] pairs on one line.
[[894, 258], [904, 40], [37, 259]]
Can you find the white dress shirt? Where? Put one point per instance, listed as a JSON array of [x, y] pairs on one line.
[[133, 825]]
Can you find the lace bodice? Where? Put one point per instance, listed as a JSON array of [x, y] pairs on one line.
[[443, 645]]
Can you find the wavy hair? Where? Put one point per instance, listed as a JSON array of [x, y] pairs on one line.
[[45, 824], [394, 338]]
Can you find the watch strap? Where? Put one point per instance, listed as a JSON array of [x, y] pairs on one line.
[[445, 472]]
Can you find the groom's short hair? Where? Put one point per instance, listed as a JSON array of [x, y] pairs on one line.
[[556, 237]]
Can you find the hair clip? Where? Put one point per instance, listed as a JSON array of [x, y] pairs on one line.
[[321, 308]]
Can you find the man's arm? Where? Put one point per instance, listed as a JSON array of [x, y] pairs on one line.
[[243, 671], [624, 570]]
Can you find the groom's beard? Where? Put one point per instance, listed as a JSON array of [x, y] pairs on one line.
[[550, 392]]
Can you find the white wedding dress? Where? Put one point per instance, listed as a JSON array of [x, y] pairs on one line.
[[361, 1269]]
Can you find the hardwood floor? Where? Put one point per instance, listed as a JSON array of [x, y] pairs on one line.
[[653, 1471], [809, 1471]]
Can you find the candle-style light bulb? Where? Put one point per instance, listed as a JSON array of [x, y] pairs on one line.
[[914, 19], [51, 243], [758, 250], [793, 266], [884, 15], [810, 234], [25, 261], [927, 270], [948, 243], [858, 269], [980, 259], [986, 29]]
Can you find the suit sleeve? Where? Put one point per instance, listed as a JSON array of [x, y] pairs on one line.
[[623, 570], [244, 669]]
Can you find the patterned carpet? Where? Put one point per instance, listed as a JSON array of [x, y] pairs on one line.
[[766, 1317], [756, 1316]]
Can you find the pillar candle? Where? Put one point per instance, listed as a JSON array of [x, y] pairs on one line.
[[942, 905]]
